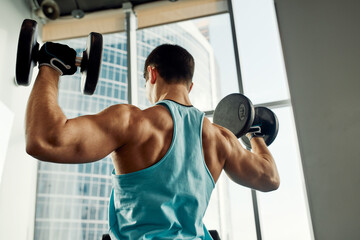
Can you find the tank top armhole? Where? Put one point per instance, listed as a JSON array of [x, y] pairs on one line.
[[202, 152]]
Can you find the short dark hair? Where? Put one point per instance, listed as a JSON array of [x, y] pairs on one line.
[[174, 63]]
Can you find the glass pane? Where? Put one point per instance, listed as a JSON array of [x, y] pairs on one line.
[[242, 213], [284, 213], [209, 41], [71, 193], [262, 64]]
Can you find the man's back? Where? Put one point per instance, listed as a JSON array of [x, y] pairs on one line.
[[168, 199], [152, 139], [148, 137]]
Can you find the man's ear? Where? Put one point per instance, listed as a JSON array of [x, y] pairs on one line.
[[191, 86], [152, 74]]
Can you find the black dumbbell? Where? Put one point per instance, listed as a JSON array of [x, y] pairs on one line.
[[28, 49], [237, 113]]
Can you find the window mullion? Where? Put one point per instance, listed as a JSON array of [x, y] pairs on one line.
[[130, 27]]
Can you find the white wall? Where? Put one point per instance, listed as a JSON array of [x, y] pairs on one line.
[[18, 183], [321, 44]]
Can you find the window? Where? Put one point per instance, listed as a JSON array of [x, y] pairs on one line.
[[80, 193], [283, 213]]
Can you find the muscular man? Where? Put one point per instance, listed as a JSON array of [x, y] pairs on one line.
[[167, 158]]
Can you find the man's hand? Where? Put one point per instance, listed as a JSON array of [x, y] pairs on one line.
[[59, 57]]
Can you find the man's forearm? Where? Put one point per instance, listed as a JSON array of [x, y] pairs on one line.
[[259, 147], [43, 114]]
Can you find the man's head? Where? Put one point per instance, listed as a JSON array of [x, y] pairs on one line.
[[173, 63]]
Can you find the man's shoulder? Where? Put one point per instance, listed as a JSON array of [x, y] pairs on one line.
[[122, 107], [214, 129], [216, 134], [122, 111], [135, 115]]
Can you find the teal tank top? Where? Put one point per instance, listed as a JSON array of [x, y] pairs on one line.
[[167, 200]]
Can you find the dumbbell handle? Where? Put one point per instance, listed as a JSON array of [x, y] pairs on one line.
[[78, 61], [254, 129]]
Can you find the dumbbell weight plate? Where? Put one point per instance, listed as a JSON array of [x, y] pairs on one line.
[[91, 63], [236, 113], [269, 123], [26, 52]]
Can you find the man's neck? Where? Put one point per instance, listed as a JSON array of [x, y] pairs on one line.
[[176, 92]]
